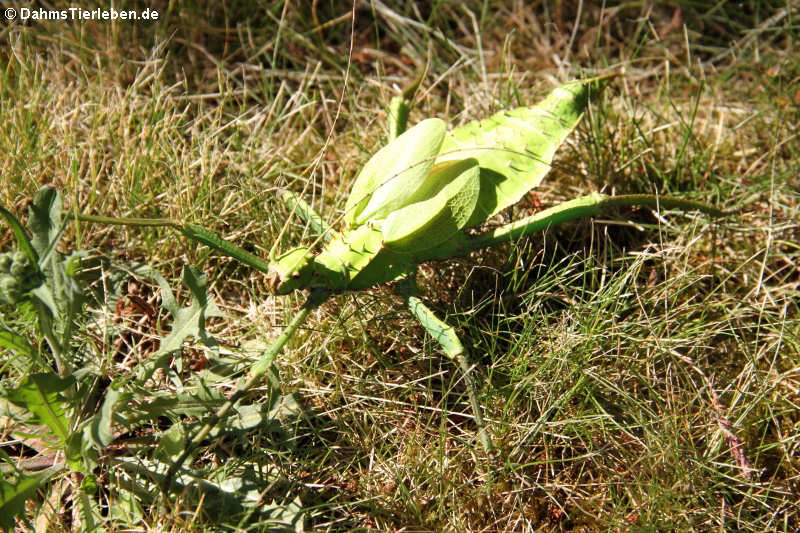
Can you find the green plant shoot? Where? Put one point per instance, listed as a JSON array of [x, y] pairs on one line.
[[412, 202]]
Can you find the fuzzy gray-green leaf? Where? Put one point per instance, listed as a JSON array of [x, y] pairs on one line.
[[22, 238], [44, 221]]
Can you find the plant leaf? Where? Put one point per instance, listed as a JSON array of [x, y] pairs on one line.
[[171, 442], [19, 233], [17, 343], [14, 495], [97, 430], [391, 177], [222, 492], [41, 395], [89, 511], [274, 417], [44, 220], [189, 321], [515, 148]]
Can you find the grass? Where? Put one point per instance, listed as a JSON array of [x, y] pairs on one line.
[[630, 364]]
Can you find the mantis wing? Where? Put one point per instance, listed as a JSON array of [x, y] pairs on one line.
[[514, 148], [431, 221], [391, 177]]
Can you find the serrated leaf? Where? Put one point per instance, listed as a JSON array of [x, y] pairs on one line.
[[172, 442], [126, 508], [174, 404], [145, 271], [78, 456], [291, 515], [97, 430], [274, 417], [189, 321], [515, 148], [41, 395], [14, 495], [223, 492], [231, 495], [91, 518], [44, 293], [16, 343]]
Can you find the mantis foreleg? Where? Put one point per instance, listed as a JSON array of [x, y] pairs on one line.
[[400, 106], [447, 338], [191, 231]]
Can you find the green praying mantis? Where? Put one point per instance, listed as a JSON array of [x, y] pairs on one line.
[[412, 202]]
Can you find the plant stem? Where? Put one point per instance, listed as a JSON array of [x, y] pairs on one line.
[[257, 371]]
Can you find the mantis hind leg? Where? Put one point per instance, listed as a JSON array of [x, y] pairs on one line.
[[446, 336]]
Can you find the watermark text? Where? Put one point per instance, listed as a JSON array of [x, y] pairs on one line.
[[79, 14]]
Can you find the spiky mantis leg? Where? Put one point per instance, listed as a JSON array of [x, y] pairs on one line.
[[298, 206], [444, 334], [400, 106], [459, 245], [585, 206], [447, 338], [191, 231]]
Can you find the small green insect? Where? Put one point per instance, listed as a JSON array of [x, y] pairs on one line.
[[412, 202]]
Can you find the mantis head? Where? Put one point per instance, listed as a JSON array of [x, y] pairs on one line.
[[290, 271]]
